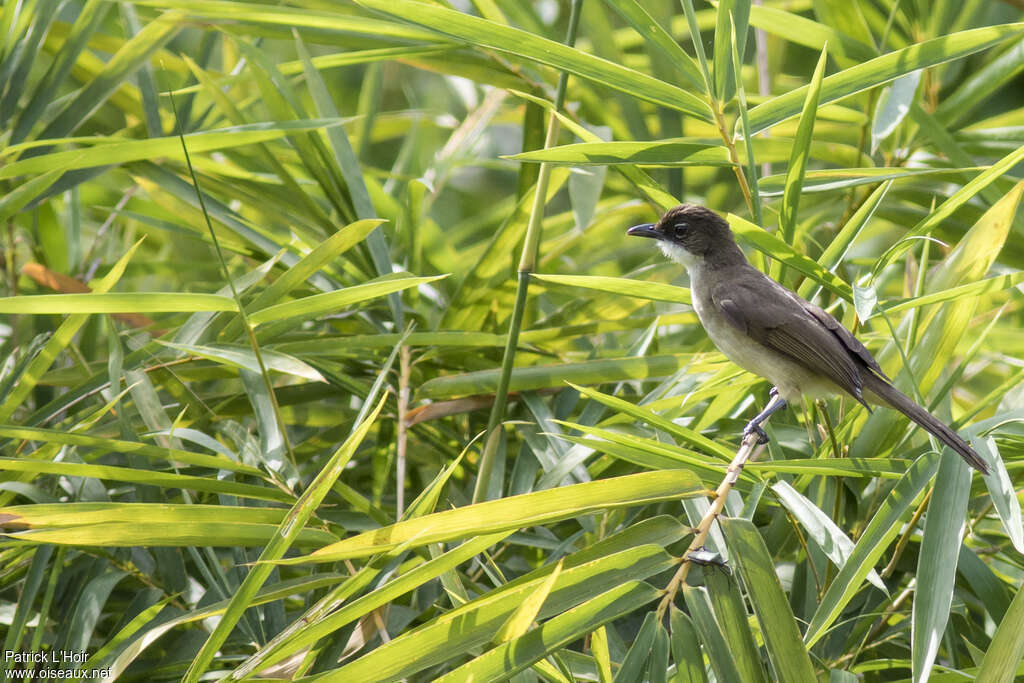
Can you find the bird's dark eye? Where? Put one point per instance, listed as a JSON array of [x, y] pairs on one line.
[[680, 229]]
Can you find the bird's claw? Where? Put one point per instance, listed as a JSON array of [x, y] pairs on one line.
[[751, 428]]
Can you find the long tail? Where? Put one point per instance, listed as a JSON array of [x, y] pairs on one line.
[[896, 399]]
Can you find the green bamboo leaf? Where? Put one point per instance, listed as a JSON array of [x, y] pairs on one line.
[[842, 178], [334, 61], [19, 198], [73, 515], [544, 376], [513, 657], [694, 25], [893, 106], [879, 532], [644, 183], [832, 540], [659, 153], [529, 46], [736, 59], [86, 24], [789, 658], [774, 247], [686, 648], [602, 656], [132, 55], [644, 413], [645, 453], [167, 534], [89, 602], [731, 13], [276, 591], [850, 17], [341, 23], [60, 339], [717, 648], [1006, 650], [932, 131], [492, 267], [635, 661], [22, 45], [319, 304], [523, 618], [936, 563], [346, 164], [341, 346], [883, 69], [1000, 487], [969, 261], [515, 512], [732, 618], [99, 302], [148, 477], [325, 252], [777, 149], [344, 156], [112, 151], [801, 30], [663, 41], [888, 468], [129, 630], [958, 199], [243, 358], [33, 581], [105, 445], [971, 289], [976, 89], [293, 523], [473, 624], [314, 630], [655, 291], [798, 157], [942, 326], [993, 593], [837, 247]]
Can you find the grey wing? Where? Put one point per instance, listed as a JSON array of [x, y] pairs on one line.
[[845, 336], [783, 323]]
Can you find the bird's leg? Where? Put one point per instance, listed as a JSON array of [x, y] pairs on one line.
[[775, 403]]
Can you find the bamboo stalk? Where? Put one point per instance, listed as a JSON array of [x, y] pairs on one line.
[[527, 262]]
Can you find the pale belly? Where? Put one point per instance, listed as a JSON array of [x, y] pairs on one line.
[[791, 379]]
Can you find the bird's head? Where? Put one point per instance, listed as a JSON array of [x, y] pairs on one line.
[[691, 235]]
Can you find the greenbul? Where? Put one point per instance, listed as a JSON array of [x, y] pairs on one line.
[[770, 331]]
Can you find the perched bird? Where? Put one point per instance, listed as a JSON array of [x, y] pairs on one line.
[[770, 331]]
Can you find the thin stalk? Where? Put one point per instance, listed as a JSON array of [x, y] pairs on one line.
[[717, 108], [905, 537], [819, 585], [764, 77], [234, 293], [737, 166], [403, 430], [10, 261], [880, 623], [915, 313], [526, 265], [732, 473], [741, 96]]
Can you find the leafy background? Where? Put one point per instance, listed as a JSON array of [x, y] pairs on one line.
[[248, 413]]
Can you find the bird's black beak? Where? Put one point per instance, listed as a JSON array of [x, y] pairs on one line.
[[644, 230]]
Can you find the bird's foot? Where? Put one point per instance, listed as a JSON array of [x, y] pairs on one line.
[[754, 428]]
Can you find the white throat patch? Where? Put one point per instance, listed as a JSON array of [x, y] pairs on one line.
[[678, 254]]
